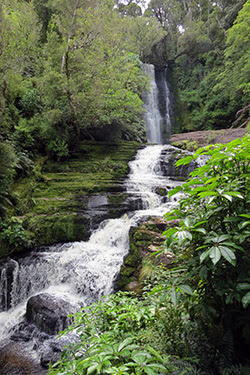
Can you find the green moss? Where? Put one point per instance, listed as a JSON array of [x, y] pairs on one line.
[[134, 258], [52, 201], [58, 228], [186, 144], [126, 271]]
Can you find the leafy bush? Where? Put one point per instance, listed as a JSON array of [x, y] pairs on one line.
[[214, 237], [7, 171], [14, 235], [120, 335], [58, 149]]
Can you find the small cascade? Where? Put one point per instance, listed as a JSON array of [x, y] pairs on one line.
[[157, 105], [74, 275]]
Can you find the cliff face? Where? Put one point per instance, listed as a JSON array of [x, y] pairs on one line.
[[63, 201]]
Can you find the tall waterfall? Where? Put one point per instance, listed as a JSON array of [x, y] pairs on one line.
[[157, 105]]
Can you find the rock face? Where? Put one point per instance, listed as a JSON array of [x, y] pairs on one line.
[[50, 314], [144, 240], [206, 137], [168, 165], [6, 278], [15, 361]]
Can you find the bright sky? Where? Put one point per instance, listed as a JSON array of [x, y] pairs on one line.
[[146, 4]]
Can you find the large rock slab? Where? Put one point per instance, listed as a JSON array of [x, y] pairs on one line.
[[48, 313], [169, 168]]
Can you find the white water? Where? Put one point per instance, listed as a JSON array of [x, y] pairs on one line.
[[153, 116], [158, 127], [84, 271]]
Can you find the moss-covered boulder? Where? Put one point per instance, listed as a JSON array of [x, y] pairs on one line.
[[144, 239], [64, 201]]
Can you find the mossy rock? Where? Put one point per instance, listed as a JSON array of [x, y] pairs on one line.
[[59, 228], [133, 258], [127, 271], [53, 200]]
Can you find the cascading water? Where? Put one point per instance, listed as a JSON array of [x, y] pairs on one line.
[[82, 272], [157, 105], [76, 274]]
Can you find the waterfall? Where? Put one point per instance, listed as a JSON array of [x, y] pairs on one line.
[[79, 273], [157, 106], [71, 276]]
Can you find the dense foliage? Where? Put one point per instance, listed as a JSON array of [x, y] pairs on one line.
[[213, 234], [71, 70], [207, 52], [194, 317]]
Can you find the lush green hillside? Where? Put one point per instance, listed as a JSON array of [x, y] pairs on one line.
[[71, 70]]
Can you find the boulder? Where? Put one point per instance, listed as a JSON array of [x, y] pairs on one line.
[[48, 313]]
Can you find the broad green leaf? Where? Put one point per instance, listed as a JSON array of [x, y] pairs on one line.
[[187, 221], [150, 371], [243, 286], [184, 161], [201, 230], [173, 297], [182, 235], [92, 368], [203, 273], [155, 353], [124, 343], [200, 223], [174, 191], [246, 300], [228, 254], [231, 244], [204, 255], [153, 368], [208, 194], [170, 232], [186, 289], [234, 194], [227, 196], [140, 357], [215, 254], [244, 224]]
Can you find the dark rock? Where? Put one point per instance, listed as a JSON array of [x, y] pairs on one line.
[[48, 313], [6, 279], [14, 360], [52, 349], [168, 164]]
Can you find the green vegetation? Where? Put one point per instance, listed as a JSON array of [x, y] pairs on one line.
[[192, 318], [206, 50], [70, 71], [51, 204]]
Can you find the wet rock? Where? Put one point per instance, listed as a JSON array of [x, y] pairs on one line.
[[14, 360], [52, 349], [7, 270], [134, 286], [49, 313], [169, 168]]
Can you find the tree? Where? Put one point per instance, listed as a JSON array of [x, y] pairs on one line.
[[237, 57], [19, 54]]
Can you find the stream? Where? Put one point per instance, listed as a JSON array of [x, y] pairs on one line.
[[38, 290]]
